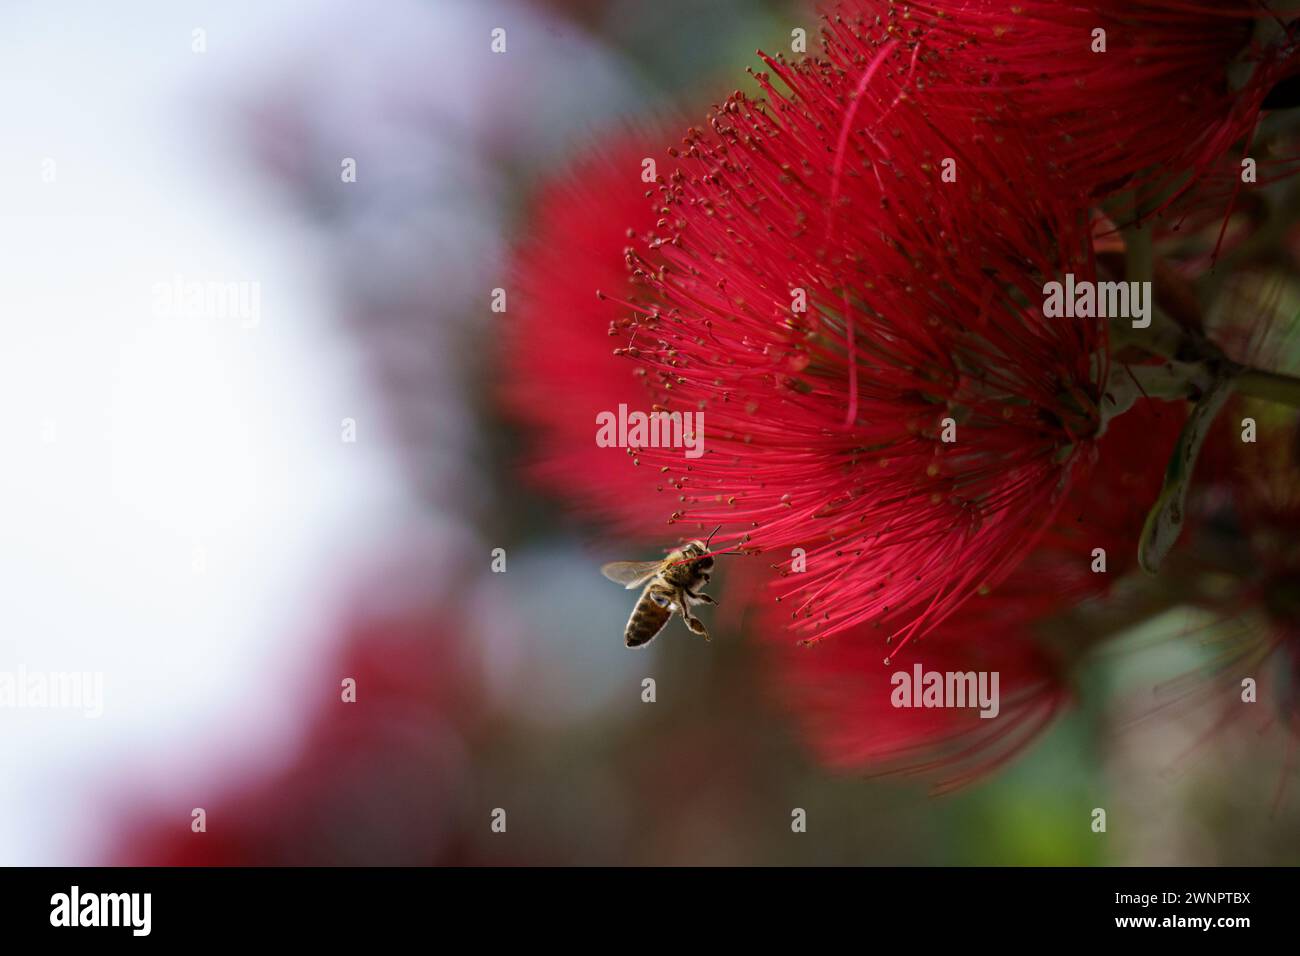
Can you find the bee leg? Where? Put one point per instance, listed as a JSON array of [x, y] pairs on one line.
[[700, 598], [692, 622]]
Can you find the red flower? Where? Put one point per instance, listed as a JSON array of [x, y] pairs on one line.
[[843, 696], [914, 429], [1177, 85], [560, 370]]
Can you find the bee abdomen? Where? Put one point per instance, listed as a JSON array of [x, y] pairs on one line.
[[648, 619]]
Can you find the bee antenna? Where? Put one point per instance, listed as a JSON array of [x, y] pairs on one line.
[[717, 554]]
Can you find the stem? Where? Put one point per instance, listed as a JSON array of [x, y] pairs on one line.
[[1139, 254], [1168, 515], [1191, 357], [1175, 380], [1271, 386]]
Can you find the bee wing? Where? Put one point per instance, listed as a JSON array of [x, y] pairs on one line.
[[631, 574]]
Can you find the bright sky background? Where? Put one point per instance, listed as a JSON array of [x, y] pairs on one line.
[[177, 507], [175, 441]]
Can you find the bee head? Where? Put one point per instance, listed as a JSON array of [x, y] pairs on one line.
[[694, 549]]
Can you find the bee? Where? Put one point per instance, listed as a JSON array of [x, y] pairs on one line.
[[673, 583]]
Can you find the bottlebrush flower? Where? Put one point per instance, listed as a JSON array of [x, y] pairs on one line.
[[560, 370], [842, 695], [1120, 94], [915, 427]]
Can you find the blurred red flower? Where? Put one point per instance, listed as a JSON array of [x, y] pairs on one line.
[[841, 693], [559, 367], [1248, 505], [384, 780]]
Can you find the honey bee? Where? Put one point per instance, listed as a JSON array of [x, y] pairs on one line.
[[673, 583]]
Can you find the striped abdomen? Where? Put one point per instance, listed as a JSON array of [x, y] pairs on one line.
[[651, 613]]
